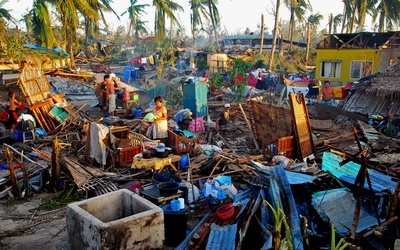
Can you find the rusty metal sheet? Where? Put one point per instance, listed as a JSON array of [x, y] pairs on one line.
[[302, 125], [269, 122]]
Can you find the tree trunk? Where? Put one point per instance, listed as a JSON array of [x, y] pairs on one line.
[[262, 33], [308, 41], [330, 20], [291, 28], [271, 58], [213, 23]]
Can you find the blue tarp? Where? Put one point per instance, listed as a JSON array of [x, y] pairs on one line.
[[349, 171], [55, 50]]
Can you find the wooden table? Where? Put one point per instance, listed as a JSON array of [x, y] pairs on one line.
[[157, 163]]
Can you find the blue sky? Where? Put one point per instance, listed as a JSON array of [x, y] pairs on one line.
[[236, 15]]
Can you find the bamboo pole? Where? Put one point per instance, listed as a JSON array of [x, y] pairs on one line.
[[248, 124]]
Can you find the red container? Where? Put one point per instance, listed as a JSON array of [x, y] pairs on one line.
[[226, 211], [286, 146], [125, 155]]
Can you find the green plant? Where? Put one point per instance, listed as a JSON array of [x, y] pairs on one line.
[[280, 225], [341, 244]]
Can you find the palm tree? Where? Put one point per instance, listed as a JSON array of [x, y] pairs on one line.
[[91, 26], [336, 22], [140, 28], [388, 14], [214, 16], [5, 14], [312, 23], [135, 11], [198, 9], [39, 19], [164, 8], [297, 9]]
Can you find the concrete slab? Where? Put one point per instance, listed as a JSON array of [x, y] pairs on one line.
[[116, 220]]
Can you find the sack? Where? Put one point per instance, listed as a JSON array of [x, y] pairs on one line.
[[26, 122], [26, 125], [196, 125]]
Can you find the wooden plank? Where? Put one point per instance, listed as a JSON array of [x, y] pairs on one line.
[[249, 125], [303, 132]]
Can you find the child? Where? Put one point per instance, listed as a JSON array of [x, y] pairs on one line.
[[125, 98], [14, 104]]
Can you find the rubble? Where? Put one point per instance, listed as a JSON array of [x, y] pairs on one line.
[[275, 160]]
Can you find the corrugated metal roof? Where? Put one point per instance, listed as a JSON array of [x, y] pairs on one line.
[[349, 171], [298, 178], [222, 237], [337, 205]]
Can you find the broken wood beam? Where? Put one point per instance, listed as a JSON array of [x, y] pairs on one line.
[[249, 125], [380, 226]]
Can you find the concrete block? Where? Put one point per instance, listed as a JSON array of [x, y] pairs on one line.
[[116, 220]]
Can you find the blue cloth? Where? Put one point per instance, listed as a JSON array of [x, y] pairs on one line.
[[179, 116], [328, 102]]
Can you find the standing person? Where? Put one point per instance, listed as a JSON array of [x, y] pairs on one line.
[[12, 111], [224, 118], [111, 96], [326, 95], [160, 125]]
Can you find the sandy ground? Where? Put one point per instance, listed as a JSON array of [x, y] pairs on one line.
[[23, 227]]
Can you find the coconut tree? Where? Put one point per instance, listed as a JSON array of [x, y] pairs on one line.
[[68, 16], [198, 10], [5, 14], [135, 11], [388, 14], [39, 22], [140, 28], [312, 23], [298, 9], [164, 8], [337, 20], [214, 16], [92, 26]]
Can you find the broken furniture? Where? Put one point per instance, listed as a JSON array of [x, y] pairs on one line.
[[180, 144], [157, 164], [115, 221], [152, 193]]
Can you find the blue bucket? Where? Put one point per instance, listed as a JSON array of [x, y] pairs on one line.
[[137, 112], [184, 162]]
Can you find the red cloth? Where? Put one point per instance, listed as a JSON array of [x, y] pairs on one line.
[[252, 81], [4, 116]]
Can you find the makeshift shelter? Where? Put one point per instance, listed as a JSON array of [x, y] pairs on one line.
[[376, 94]]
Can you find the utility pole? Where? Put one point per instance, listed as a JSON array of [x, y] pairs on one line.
[[262, 33]]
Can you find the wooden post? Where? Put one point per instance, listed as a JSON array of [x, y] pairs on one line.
[[14, 182], [248, 124]]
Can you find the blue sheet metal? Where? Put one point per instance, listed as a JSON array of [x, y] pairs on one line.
[[222, 237], [185, 243], [298, 178], [349, 171], [337, 206], [278, 182]]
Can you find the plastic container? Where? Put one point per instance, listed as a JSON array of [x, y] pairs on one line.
[[168, 188], [184, 162], [226, 211], [175, 224], [137, 112], [286, 146], [175, 205]]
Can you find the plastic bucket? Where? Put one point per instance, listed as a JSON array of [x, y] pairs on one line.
[[175, 224], [137, 112], [184, 162]]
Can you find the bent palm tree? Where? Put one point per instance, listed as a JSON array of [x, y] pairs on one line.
[[164, 8], [135, 11]]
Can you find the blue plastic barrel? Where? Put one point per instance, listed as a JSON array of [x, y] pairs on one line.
[[184, 162], [137, 112]]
